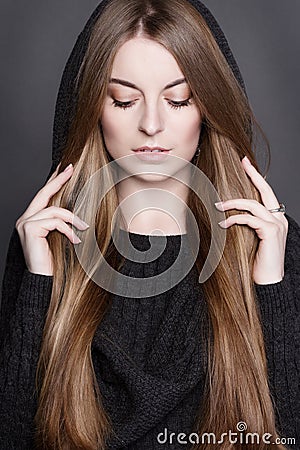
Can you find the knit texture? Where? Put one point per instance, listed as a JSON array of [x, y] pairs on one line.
[[149, 354]]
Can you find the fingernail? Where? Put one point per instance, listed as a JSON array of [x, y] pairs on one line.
[[68, 167], [246, 159], [219, 205], [222, 223], [83, 224], [76, 240]]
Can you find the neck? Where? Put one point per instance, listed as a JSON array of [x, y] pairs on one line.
[[153, 206]]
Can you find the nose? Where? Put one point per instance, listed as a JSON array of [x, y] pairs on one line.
[[151, 121]]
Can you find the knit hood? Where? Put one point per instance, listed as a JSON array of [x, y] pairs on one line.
[[66, 98]]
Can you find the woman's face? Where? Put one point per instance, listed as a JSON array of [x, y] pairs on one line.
[[149, 104]]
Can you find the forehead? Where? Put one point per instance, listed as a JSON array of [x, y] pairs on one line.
[[143, 61]]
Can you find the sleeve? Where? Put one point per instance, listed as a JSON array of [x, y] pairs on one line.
[[19, 352], [279, 307], [13, 274]]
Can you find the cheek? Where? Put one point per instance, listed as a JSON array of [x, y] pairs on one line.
[[190, 129], [110, 133], [108, 125]]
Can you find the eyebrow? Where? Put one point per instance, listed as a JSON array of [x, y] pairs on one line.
[[133, 86]]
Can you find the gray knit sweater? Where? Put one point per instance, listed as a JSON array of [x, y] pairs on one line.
[[148, 353]]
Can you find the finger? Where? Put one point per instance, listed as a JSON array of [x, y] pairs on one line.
[[61, 213], [54, 173], [262, 228], [267, 194], [42, 228], [256, 208], [42, 198]]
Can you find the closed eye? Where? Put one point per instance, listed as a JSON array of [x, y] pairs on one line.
[[178, 105], [124, 105], [173, 104]]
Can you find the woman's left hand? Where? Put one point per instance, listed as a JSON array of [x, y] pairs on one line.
[[271, 228]]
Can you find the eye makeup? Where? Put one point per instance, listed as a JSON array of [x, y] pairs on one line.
[[133, 86], [173, 104]]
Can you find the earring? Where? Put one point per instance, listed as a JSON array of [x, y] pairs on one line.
[[197, 153]]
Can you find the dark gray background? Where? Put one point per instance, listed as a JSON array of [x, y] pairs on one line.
[[36, 38]]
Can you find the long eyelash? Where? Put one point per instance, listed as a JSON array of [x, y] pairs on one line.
[[174, 105], [123, 105], [178, 105]]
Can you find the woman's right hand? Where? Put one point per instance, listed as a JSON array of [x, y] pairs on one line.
[[38, 220]]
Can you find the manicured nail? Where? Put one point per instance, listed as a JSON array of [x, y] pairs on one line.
[[68, 167], [219, 205], [246, 159], [222, 223], [83, 224], [76, 240]]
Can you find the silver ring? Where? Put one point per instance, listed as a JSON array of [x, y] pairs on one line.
[[280, 209]]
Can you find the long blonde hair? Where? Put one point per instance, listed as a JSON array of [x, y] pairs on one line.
[[70, 408]]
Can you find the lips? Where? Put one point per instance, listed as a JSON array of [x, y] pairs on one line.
[[152, 155], [147, 149]]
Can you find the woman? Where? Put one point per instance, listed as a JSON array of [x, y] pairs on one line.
[[119, 370]]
